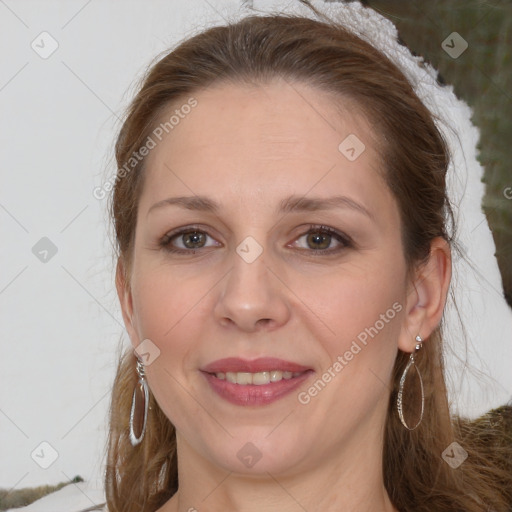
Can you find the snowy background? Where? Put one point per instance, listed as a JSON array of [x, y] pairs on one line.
[[68, 70]]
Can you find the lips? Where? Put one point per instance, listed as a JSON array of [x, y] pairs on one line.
[[257, 382], [263, 364]]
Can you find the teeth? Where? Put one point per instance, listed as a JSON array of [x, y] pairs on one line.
[[276, 375], [259, 378], [243, 378]]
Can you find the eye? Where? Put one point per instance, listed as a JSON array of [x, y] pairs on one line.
[[319, 239], [187, 240]]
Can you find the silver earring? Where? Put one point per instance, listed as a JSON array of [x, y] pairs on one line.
[[399, 401], [139, 410]]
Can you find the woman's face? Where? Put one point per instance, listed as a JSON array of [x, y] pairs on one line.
[[282, 254]]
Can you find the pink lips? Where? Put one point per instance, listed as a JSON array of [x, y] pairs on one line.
[[251, 394], [235, 364]]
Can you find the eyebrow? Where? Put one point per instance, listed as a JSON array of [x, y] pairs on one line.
[[287, 205], [199, 203], [311, 204]]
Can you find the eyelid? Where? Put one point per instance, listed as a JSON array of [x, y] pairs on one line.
[[165, 241], [343, 240]]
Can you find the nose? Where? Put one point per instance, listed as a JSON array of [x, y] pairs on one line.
[[252, 297]]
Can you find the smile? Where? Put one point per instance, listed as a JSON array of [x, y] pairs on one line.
[[258, 379], [254, 382]]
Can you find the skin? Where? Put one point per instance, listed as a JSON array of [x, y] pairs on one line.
[[248, 148]]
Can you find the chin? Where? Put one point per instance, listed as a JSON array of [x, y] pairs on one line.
[[258, 455]]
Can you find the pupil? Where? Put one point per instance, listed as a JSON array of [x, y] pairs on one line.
[[193, 238], [321, 241]]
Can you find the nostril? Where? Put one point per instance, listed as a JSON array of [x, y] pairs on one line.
[[227, 321]]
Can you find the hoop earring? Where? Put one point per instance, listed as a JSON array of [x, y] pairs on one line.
[[140, 394], [399, 401]]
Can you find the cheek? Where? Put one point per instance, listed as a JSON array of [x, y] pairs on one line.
[[366, 317], [167, 307], [362, 308], [170, 310]]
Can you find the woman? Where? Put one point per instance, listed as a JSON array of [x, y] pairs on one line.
[[284, 261]]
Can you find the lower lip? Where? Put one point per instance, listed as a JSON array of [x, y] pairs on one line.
[[251, 394]]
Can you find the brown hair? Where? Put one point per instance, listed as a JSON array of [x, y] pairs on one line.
[[325, 55]]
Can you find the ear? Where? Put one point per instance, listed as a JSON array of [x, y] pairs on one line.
[[125, 299], [427, 295]]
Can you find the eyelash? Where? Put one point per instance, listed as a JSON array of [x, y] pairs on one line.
[[344, 240]]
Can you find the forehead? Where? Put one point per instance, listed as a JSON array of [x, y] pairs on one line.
[[273, 115], [247, 139]]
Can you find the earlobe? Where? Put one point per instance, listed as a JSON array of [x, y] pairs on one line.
[[427, 296]]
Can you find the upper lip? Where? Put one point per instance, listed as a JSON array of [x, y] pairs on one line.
[[262, 364]]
